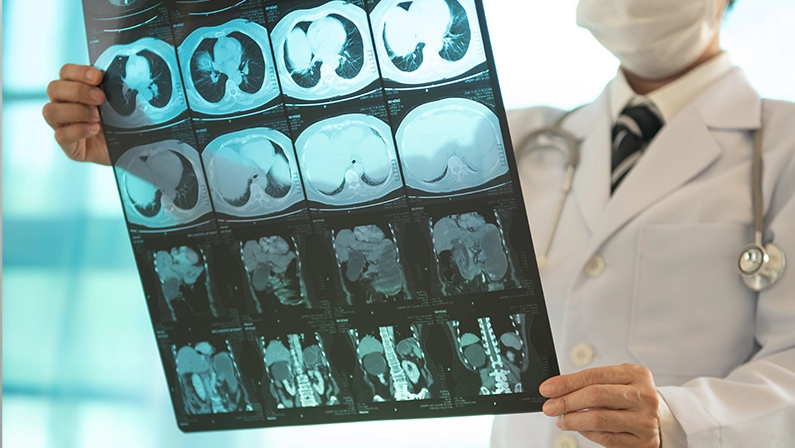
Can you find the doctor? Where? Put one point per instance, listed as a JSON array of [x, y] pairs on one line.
[[659, 340]]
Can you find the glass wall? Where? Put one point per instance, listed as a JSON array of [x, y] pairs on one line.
[[80, 365]]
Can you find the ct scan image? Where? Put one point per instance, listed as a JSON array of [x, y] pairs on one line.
[[142, 84], [162, 185], [299, 372], [228, 68], [451, 145], [472, 254], [426, 41], [274, 272], [252, 173], [209, 379], [324, 52], [348, 160], [369, 265]]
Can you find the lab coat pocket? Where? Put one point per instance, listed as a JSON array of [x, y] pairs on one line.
[[692, 315]]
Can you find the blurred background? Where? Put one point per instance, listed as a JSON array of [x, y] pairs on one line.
[[80, 365]]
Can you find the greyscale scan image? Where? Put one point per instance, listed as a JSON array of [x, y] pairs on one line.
[[228, 68], [274, 271], [392, 366], [424, 41], [451, 145], [252, 173], [185, 281], [369, 265], [142, 84], [324, 52], [348, 160], [472, 254], [209, 379], [299, 372], [162, 185]]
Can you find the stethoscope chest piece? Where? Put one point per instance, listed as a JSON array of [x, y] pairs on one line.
[[760, 267]]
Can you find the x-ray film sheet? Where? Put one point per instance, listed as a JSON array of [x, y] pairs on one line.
[[324, 209]]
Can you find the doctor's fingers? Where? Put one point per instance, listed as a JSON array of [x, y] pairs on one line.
[[63, 91], [81, 73], [622, 440], [602, 396], [61, 114], [623, 374], [83, 142], [642, 431]]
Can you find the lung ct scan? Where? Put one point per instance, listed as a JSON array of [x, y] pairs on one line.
[[451, 145], [324, 52], [348, 160], [424, 41], [252, 173], [162, 185], [142, 84], [228, 68]]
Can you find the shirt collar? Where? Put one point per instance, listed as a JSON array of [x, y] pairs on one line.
[[673, 97]]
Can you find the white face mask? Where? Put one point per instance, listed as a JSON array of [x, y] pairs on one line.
[[652, 38]]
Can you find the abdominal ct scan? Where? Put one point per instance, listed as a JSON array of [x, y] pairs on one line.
[[490, 354], [472, 254], [274, 272], [252, 173], [162, 185], [228, 68], [451, 145], [369, 265], [299, 372], [185, 281], [142, 84], [209, 379], [390, 370], [423, 41], [325, 52], [348, 160]]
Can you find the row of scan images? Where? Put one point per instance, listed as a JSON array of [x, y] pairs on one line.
[[444, 147], [485, 356], [361, 265], [320, 54]]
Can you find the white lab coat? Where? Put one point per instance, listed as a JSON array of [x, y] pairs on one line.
[[669, 296]]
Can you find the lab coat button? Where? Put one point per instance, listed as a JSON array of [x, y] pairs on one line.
[[582, 355], [595, 266], [565, 441]]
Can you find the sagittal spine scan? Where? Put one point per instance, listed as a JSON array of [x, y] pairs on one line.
[[142, 84], [299, 372], [209, 379], [274, 271], [369, 265], [162, 185], [348, 160], [422, 41], [496, 349], [228, 68], [186, 283], [252, 173], [451, 145], [472, 254], [324, 52], [391, 369]]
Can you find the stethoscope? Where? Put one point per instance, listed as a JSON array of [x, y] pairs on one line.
[[760, 265]]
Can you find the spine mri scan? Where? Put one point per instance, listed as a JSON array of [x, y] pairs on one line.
[[324, 52], [426, 40], [162, 185], [228, 68], [142, 84], [252, 173], [348, 160], [451, 145]]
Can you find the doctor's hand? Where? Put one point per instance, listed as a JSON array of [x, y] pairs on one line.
[[613, 406], [74, 115]]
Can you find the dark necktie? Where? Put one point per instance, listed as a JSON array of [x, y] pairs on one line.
[[633, 131]]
